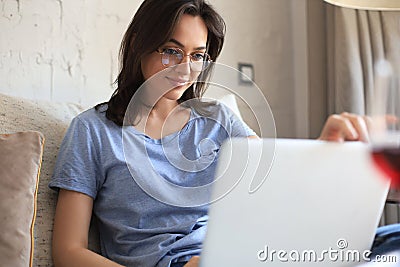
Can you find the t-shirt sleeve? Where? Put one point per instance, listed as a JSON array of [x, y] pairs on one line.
[[77, 163], [239, 127]]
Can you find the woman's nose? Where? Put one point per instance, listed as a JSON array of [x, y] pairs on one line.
[[184, 66]]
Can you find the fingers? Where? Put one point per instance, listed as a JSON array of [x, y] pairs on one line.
[[338, 129], [359, 124], [193, 262], [368, 122], [352, 127], [344, 127], [388, 120], [391, 119]]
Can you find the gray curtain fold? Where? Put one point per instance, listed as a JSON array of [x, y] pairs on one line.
[[356, 40]]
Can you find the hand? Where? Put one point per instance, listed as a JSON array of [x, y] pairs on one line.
[[345, 127], [194, 262]]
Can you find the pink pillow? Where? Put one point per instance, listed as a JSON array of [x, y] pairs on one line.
[[20, 161]]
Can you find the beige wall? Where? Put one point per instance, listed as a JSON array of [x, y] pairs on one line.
[[260, 33], [67, 50]]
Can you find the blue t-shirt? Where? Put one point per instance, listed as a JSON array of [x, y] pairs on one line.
[[116, 166]]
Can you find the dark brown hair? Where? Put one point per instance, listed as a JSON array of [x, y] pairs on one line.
[[151, 27]]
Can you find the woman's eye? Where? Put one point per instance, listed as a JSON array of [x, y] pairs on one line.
[[171, 51], [198, 57]]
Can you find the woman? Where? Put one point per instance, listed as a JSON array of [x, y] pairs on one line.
[[94, 172]]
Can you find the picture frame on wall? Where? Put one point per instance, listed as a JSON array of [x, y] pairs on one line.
[[246, 73]]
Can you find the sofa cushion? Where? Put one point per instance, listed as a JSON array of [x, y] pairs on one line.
[[20, 159], [52, 120], [226, 98]]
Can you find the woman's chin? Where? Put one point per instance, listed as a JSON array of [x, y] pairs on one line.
[[175, 93]]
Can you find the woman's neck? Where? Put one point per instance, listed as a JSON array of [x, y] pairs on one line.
[[163, 108], [164, 118]]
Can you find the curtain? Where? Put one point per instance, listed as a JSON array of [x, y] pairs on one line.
[[356, 40], [367, 4]]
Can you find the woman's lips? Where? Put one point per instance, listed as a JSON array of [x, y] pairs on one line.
[[177, 82]]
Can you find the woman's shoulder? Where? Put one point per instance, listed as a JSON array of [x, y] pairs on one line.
[[94, 117], [88, 115]]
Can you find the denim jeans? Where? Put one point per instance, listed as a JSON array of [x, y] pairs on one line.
[[387, 239], [178, 264]]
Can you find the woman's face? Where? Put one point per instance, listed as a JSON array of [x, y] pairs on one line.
[[190, 35]]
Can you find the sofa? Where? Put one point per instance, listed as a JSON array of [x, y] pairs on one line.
[[30, 136], [40, 125]]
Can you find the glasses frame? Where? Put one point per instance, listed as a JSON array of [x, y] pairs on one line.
[[205, 65]]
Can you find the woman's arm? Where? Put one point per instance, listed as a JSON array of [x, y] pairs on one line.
[[70, 234]]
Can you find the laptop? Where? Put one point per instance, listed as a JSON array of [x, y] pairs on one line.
[[286, 202]]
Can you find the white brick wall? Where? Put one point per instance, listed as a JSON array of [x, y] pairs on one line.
[[61, 50]]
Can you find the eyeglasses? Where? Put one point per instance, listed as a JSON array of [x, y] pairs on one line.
[[199, 61]]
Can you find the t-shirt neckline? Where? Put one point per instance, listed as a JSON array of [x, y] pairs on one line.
[[169, 137]]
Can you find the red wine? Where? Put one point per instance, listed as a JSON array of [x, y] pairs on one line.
[[388, 161]]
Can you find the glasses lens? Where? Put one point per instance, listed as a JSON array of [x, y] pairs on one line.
[[174, 56], [197, 66], [165, 60], [200, 61], [171, 56]]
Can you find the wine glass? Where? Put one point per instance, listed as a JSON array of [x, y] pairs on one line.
[[384, 123]]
